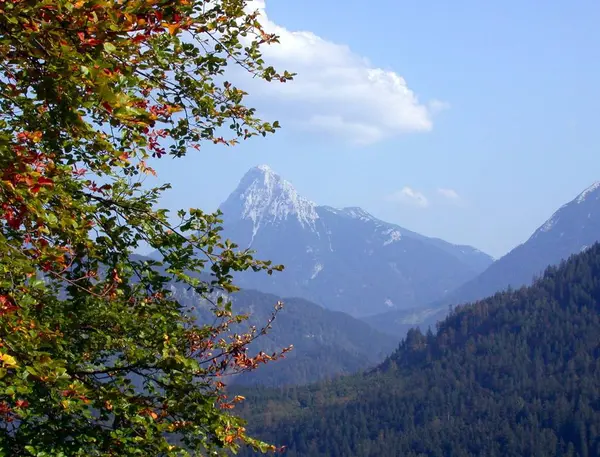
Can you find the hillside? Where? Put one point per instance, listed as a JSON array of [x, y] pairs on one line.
[[343, 259], [512, 375], [326, 343]]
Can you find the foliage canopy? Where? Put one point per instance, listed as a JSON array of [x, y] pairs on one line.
[[96, 358]]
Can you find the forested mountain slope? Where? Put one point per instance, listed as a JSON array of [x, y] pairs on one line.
[[517, 374]]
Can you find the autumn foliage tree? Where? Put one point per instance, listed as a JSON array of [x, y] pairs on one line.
[[96, 357]]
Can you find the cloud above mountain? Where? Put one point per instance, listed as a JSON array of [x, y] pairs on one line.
[[408, 195], [336, 91], [449, 194]]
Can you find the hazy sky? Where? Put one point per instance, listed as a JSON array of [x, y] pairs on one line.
[[470, 121]]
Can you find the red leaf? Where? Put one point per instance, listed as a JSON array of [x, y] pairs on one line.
[[7, 304], [92, 42], [44, 181]]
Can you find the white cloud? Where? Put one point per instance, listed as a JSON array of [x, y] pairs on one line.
[[409, 196], [336, 91], [450, 194], [356, 132]]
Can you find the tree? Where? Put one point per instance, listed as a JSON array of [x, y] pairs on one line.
[[96, 357]]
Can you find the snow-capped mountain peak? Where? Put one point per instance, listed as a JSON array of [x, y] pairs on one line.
[[265, 168], [264, 197], [567, 211]]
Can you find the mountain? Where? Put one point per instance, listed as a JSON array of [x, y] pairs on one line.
[[326, 343], [344, 259], [571, 229], [517, 374]]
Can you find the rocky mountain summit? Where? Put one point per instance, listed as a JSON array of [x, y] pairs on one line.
[[342, 258]]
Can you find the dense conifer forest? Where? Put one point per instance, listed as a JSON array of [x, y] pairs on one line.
[[517, 374]]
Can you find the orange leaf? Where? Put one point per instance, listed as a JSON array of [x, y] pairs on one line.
[[173, 28]]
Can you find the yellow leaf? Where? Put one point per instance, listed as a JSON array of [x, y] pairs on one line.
[[8, 361], [174, 109]]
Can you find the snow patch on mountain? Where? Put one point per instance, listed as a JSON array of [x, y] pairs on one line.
[[329, 240], [549, 224], [394, 235], [316, 270], [583, 195], [357, 213]]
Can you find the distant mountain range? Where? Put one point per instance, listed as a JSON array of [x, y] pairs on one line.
[[344, 259], [570, 230]]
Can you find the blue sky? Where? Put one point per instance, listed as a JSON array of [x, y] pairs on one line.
[[470, 121]]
